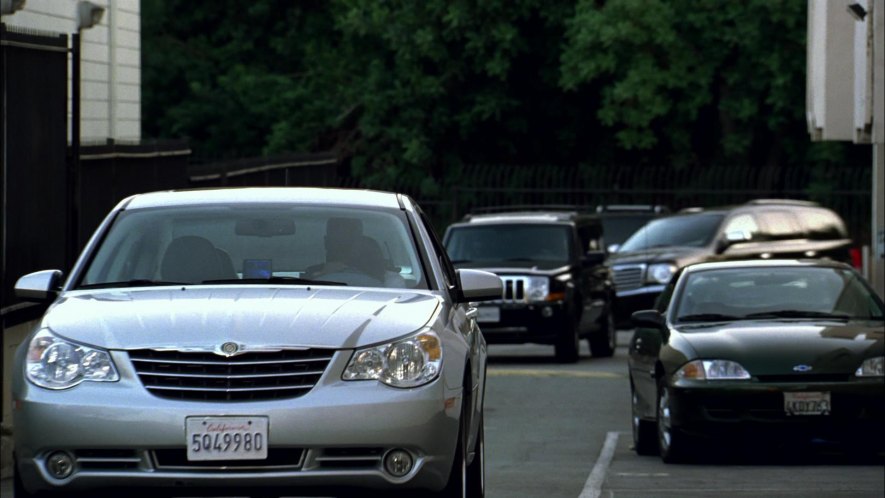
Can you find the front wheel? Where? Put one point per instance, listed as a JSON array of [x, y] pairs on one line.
[[604, 341], [568, 344], [645, 437], [467, 481], [673, 445]]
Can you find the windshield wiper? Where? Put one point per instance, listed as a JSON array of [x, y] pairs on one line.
[[272, 280], [139, 282], [799, 314], [707, 317]]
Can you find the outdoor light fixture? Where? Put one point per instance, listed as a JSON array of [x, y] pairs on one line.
[[9, 6], [857, 11], [88, 15]]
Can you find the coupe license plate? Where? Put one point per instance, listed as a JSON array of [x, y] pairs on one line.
[[226, 438], [810, 403], [488, 314]]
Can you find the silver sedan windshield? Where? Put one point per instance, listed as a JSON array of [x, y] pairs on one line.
[[257, 244]]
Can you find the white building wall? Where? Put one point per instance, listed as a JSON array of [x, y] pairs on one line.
[[110, 68]]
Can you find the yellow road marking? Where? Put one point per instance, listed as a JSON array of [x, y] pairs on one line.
[[537, 372]]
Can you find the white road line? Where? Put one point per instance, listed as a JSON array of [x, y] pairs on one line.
[[593, 486]]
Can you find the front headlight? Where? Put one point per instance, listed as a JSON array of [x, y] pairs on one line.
[[410, 362], [872, 367], [712, 370], [660, 273], [537, 288], [55, 363]]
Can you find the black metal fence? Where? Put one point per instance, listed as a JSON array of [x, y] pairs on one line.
[[33, 150]]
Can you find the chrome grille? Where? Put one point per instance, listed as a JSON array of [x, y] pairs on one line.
[[199, 376], [514, 289], [628, 277]]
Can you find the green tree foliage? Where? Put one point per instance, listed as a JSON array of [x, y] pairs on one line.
[[415, 89]]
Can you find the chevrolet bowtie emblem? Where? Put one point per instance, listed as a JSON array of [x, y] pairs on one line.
[[802, 368]]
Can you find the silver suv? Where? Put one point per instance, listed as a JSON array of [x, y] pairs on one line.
[[260, 340]]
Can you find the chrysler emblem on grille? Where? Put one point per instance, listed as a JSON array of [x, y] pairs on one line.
[[229, 349], [802, 368]]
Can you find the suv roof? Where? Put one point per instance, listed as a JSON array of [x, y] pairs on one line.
[[751, 204], [532, 216], [632, 208]]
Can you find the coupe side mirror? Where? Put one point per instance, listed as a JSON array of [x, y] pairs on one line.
[[651, 319]]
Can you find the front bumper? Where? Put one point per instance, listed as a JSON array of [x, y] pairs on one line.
[[336, 435], [756, 410], [520, 323]]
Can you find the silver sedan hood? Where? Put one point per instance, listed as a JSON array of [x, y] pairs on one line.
[[201, 317]]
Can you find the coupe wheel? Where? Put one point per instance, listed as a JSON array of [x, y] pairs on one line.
[[673, 445], [467, 480], [604, 341], [645, 436]]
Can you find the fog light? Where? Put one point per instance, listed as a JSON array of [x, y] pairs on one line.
[[60, 465], [398, 463], [547, 312]]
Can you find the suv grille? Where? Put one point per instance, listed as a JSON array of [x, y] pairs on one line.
[[628, 277], [514, 289], [255, 376]]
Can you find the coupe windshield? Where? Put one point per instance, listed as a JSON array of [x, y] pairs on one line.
[[256, 245], [506, 244], [775, 292], [696, 230]]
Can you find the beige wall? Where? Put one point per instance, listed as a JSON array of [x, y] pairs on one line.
[[111, 63]]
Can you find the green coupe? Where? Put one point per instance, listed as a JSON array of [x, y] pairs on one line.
[[788, 351]]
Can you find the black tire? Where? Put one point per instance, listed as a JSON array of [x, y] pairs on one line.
[[463, 481], [604, 341], [673, 445], [18, 489], [645, 432], [568, 344], [476, 471]]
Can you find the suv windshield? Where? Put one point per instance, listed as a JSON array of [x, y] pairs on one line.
[[256, 244], [508, 243], [696, 230]]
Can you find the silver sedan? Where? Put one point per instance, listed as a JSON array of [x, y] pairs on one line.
[[254, 340]]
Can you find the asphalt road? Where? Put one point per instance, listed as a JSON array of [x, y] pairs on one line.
[[563, 431], [556, 430]]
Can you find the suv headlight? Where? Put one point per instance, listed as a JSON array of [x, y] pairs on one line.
[[55, 363], [712, 370], [872, 367], [409, 362], [537, 288], [660, 273]]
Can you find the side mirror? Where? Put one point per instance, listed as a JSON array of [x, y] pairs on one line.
[[613, 248], [650, 319], [733, 237], [478, 285], [594, 258], [41, 286]]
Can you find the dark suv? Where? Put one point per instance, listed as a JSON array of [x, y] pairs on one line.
[[765, 228], [620, 221], [557, 289]]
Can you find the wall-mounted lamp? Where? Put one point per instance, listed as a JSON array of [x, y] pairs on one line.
[[88, 14], [9, 6], [857, 11]]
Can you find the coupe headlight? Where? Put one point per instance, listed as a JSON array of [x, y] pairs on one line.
[[537, 288], [872, 367], [55, 363], [660, 273], [410, 362], [712, 370]]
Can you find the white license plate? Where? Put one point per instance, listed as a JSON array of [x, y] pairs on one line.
[[226, 438], [488, 314], [807, 403]]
